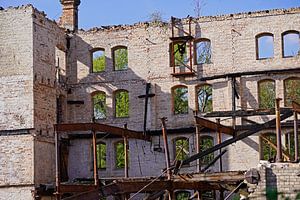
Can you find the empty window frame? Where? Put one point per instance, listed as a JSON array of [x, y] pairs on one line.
[[181, 148], [180, 100], [290, 43], [268, 150], [204, 98], [179, 54], [202, 51], [120, 58], [264, 46], [206, 142], [99, 105], [290, 143], [119, 155], [266, 94], [291, 91], [99, 61], [182, 195], [121, 103], [101, 155]]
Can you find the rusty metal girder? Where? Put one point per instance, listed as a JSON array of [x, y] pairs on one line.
[[214, 126], [101, 128], [76, 188]]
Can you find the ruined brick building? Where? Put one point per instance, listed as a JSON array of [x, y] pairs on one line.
[[80, 110]]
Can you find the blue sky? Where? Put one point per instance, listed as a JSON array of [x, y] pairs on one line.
[[94, 13]]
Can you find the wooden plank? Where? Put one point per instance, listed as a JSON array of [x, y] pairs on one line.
[[76, 188], [101, 128], [214, 126]]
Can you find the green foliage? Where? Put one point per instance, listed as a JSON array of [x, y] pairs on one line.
[[292, 91], [203, 52], [121, 59], [266, 94], [182, 148], [120, 155], [101, 156], [268, 151], [204, 95], [122, 104], [180, 97], [99, 104], [206, 142], [180, 54], [182, 195], [98, 61], [272, 194]]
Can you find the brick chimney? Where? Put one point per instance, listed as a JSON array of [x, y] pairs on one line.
[[69, 18]]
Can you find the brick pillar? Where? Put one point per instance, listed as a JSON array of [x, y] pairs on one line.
[[69, 17]]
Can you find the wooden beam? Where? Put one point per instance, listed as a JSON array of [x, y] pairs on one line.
[[101, 128], [76, 188], [214, 126]]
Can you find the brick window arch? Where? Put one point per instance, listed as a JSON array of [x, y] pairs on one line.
[[266, 94], [264, 46], [202, 51], [290, 43], [120, 58], [180, 99], [121, 103], [99, 105], [204, 100], [291, 91], [98, 60]]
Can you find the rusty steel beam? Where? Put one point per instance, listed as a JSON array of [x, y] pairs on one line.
[[167, 154], [76, 188], [214, 126], [241, 136], [101, 128], [278, 131], [296, 141]]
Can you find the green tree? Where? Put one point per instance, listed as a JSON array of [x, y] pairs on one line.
[[101, 155], [267, 95], [204, 95], [181, 148], [120, 155], [206, 142], [121, 58], [98, 61], [180, 97], [180, 54], [122, 103], [99, 103], [182, 195], [292, 91]]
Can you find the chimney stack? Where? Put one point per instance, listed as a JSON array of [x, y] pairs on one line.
[[69, 18]]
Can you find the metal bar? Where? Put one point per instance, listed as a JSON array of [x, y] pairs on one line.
[[148, 85], [296, 137], [214, 161], [244, 113], [94, 140], [126, 154], [233, 100], [190, 43], [219, 142], [278, 132], [57, 166], [233, 191], [167, 154], [250, 73], [241, 136], [198, 167]]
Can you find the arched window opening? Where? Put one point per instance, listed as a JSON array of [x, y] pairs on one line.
[[181, 148], [204, 98], [290, 143], [268, 150], [99, 105], [98, 60], [291, 91], [121, 103], [202, 51], [264, 46], [182, 195], [120, 58], [266, 94], [290, 43], [120, 155], [180, 100], [206, 142], [101, 155]]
